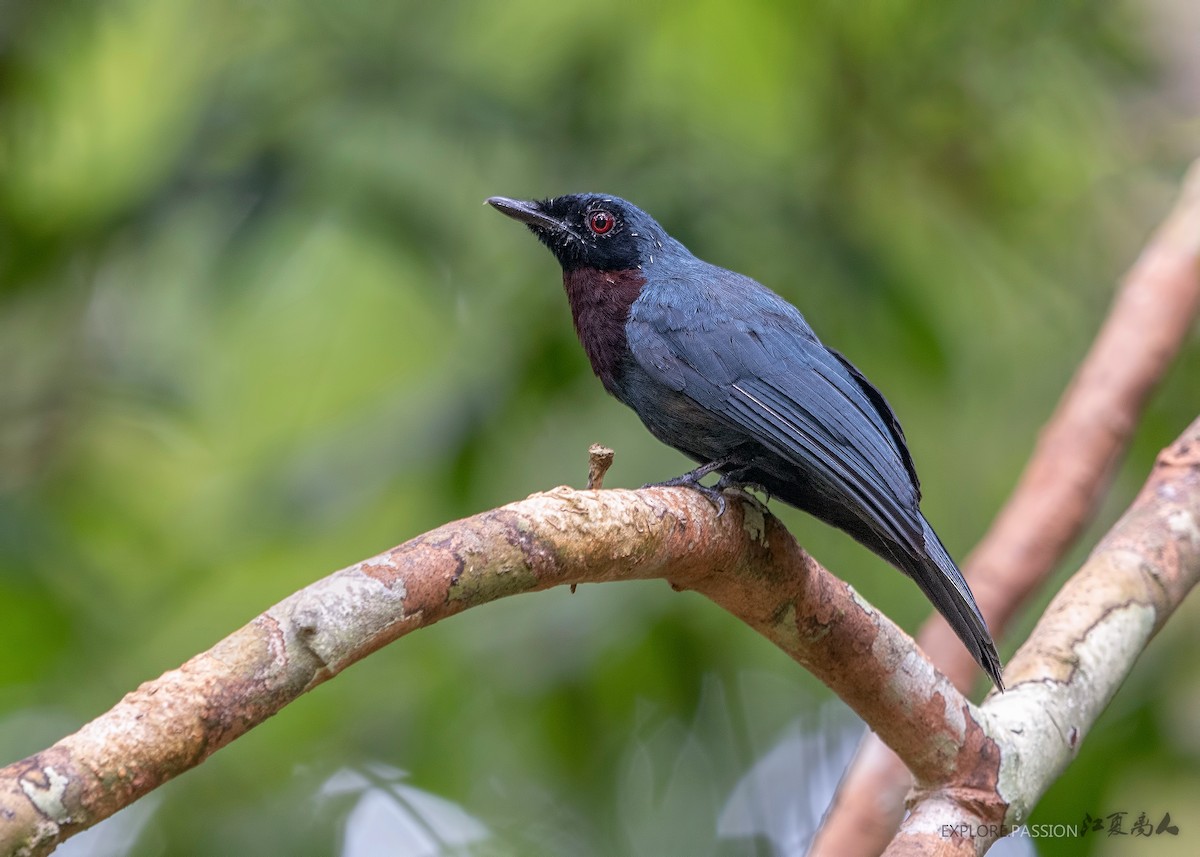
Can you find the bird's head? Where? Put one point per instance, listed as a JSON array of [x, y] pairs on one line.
[[591, 230]]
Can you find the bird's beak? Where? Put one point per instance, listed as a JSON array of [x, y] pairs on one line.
[[528, 213]]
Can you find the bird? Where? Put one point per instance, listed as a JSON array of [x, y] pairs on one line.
[[729, 373]]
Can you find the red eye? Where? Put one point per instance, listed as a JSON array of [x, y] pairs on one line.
[[601, 222]]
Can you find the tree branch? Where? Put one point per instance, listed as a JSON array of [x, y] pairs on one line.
[[984, 766], [1057, 495], [1073, 663], [747, 563]]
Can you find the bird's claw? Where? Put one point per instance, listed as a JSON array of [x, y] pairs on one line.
[[692, 479], [716, 494], [729, 482], [712, 495]]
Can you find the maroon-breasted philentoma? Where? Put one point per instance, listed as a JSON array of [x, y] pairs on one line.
[[730, 374]]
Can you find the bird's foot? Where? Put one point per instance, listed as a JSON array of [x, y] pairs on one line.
[[692, 478], [730, 482], [712, 495]]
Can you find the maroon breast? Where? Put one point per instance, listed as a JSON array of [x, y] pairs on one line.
[[600, 302]]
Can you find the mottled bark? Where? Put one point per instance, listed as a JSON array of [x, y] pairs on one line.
[[743, 560]]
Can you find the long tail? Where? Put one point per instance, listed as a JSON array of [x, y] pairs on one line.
[[944, 585]]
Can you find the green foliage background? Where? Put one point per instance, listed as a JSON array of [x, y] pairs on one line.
[[255, 325]]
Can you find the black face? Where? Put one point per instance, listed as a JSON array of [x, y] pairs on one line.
[[588, 230]]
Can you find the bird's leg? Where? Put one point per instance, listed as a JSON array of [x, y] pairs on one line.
[[692, 478], [734, 481]]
